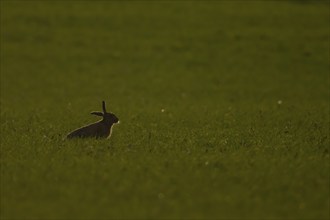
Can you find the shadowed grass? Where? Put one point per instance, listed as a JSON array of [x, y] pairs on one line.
[[223, 106]]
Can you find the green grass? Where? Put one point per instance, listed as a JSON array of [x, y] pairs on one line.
[[224, 147]]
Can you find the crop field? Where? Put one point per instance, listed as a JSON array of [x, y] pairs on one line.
[[223, 108]]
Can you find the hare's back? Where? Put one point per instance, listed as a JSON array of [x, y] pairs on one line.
[[86, 131]]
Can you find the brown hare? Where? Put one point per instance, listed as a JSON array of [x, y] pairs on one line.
[[100, 129]]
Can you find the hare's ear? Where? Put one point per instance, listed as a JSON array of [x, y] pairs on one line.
[[103, 107], [97, 113]]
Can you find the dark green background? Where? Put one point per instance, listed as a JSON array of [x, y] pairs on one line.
[[244, 89]]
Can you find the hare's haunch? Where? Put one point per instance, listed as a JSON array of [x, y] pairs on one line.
[[100, 129]]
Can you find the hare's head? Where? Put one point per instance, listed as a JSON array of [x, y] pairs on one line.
[[108, 117]]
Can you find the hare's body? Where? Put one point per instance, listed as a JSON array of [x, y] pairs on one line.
[[97, 129], [100, 129]]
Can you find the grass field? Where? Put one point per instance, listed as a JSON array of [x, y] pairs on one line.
[[224, 109]]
